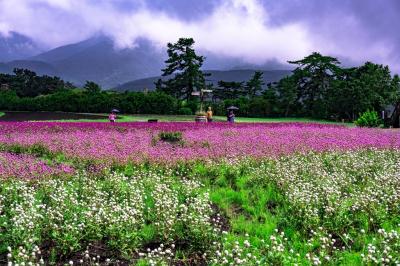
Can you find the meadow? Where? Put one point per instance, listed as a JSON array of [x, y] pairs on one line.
[[181, 193], [103, 117]]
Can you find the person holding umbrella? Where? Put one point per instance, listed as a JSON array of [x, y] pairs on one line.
[[112, 117], [230, 115]]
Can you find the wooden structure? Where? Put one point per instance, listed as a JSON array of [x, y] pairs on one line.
[[200, 115]]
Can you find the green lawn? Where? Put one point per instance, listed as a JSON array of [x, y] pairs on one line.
[[1, 113], [188, 118]]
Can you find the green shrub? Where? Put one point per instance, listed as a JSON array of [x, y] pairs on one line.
[[368, 119], [170, 136], [185, 111]]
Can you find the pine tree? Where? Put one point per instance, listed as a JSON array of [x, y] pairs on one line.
[[185, 67], [254, 85]]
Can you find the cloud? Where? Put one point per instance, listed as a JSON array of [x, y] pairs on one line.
[[253, 30], [235, 28]]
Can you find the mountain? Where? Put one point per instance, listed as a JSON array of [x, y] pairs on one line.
[[14, 46], [98, 60], [216, 75], [63, 52]]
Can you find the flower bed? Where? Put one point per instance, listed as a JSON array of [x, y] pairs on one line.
[[28, 167], [137, 142]]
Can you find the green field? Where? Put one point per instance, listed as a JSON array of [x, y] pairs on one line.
[[1, 113], [190, 118]]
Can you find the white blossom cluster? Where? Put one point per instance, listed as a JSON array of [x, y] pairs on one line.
[[69, 212], [161, 255], [385, 249], [271, 251], [322, 186]]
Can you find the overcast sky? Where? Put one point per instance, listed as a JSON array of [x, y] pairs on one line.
[[253, 30]]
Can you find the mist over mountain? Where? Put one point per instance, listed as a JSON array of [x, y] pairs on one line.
[[97, 59], [14, 46]]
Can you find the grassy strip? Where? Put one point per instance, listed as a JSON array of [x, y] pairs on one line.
[[1, 113], [190, 118]]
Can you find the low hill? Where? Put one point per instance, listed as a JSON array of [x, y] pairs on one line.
[[41, 68], [216, 75]]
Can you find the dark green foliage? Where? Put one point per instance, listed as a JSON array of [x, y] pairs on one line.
[[185, 111], [229, 90], [283, 95], [92, 87], [356, 90], [27, 84], [368, 119], [184, 64], [170, 136], [255, 85], [313, 77], [100, 102]]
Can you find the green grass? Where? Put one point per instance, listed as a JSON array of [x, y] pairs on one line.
[[190, 118], [1, 113]]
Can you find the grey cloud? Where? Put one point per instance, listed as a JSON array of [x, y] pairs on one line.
[[255, 31]]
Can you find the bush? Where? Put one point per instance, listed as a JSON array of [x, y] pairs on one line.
[[185, 111], [170, 136], [368, 119]]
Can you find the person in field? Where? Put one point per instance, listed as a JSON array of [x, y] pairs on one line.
[[209, 115], [231, 116], [112, 117]]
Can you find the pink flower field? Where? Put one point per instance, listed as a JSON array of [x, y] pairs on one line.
[[28, 167], [137, 142]]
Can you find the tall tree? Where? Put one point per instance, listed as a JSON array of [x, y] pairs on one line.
[[92, 87], [185, 66], [315, 74], [284, 94], [356, 90], [254, 85]]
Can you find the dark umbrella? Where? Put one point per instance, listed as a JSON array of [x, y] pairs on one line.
[[114, 111], [232, 108]]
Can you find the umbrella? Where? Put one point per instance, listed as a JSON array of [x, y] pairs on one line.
[[232, 108], [114, 111]]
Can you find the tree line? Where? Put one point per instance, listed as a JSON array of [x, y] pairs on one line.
[[90, 99], [318, 87]]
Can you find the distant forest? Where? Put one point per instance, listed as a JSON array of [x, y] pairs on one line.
[[318, 87]]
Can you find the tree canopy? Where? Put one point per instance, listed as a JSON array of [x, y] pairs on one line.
[[27, 83], [184, 65]]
